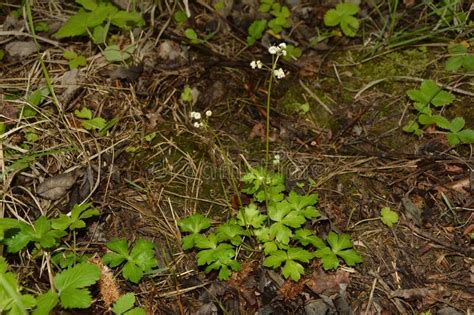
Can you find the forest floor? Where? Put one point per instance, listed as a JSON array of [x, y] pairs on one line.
[[336, 123]]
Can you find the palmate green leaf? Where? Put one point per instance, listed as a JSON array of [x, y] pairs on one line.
[[208, 256], [305, 237], [350, 256], [294, 219], [75, 26], [350, 26], [300, 254], [251, 216], [328, 258], [71, 285], [339, 242], [388, 217], [430, 92], [278, 210], [141, 259], [275, 259], [190, 241], [299, 202], [8, 224], [269, 247], [194, 223], [411, 127], [256, 30], [281, 232], [454, 63], [75, 219], [292, 269], [230, 232]]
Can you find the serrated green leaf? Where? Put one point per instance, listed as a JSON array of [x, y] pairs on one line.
[[388, 217], [280, 232], [328, 258], [75, 26], [456, 124], [275, 259], [180, 17], [454, 63], [69, 54], [466, 136], [124, 303], [332, 18], [305, 237], [339, 242], [251, 216], [194, 223], [442, 98], [296, 253], [269, 247], [256, 30], [90, 5], [453, 139], [96, 123], [293, 270], [136, 311], [230, 232], [350, 26], [350, 256], [84, 113], [71, 285], [113, 53], [45, 303], [411, 126]]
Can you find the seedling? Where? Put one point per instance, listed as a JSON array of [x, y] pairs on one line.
[[291, 258], [89, 123], [459, 58], [74, 60], [431, 94], [388, 217], [125, 304], [193, 224], [343, 15], [180, 17], [35, 99], [139, 261], [187, 94], [75, 219], [339, 246], [281, 20]]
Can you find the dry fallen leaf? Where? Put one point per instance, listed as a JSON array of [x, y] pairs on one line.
[[19, 49], [55, 187], [327, 283]]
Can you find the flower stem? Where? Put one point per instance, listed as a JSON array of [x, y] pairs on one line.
[[269, 94]]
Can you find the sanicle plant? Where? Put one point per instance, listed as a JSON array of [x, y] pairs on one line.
[[275, 221]]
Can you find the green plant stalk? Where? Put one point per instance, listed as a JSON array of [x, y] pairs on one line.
[[269, 95]]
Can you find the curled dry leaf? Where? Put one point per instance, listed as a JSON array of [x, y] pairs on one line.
[[55, 187]]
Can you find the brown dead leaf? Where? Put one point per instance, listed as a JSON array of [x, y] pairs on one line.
[[130, 74], [19, 49], [108, 288], [55, 187], [327, 283], [409, 3]]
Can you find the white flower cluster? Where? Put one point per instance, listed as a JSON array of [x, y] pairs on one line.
[[256, 64], [197, 116], [279, 50]]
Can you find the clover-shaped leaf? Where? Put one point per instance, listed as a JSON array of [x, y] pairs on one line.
[[343, 15]]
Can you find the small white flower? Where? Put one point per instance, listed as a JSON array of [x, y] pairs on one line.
[[208, 113], [279, 73], [282, 46], [191, 115], [273, 50], [276, 159], [197, 124], [259, 64], [283, 52], [197, 115], [253, 64]]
